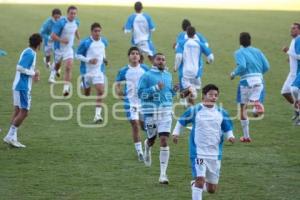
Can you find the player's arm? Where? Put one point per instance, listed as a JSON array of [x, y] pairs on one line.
[[265, 62], [207, 52], [145, 91], [118, 87], [295, 55], [25, 65], [127, 28], [227, 127], [183, 121], [203, 39], [240, 65], [77, 35], [57, 28], [178, 56]]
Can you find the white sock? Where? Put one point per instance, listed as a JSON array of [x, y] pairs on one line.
[[98, 110], [12, 133], [138, 147], [196, 193], [245, 126], [204, 189], [66, 87], [164, 159]]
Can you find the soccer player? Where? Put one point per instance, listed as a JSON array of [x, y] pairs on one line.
[[91, 53], [63, 34], [295, 90], [156, 93], [46, 31], [141, 25], [25, 73], [294, 60], [251, 64], [210, 125], [188, 63], [183, 35], [131, 74]]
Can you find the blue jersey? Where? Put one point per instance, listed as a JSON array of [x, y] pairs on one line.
[[153, 99], [209, 126], [296, 82], [46, 29], [90, 49], [191, 65], [26, 62], [250, 62], [294, 56], [141, 25], [65, 29]]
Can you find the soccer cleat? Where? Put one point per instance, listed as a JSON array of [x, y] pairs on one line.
[[140, 157], [98, 119], [14, 143], [245, 140], [147, 154], [7, 140], [297, 122], [163, 179], [51, 79], [296, 115], [66, 91]]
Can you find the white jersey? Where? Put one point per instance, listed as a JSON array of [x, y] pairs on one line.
[[293, 61], [96, 50], [191, 58]]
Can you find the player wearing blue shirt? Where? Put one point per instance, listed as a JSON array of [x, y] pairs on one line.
[[156, 93], [189, 65], [63, 35], [91, 53], [183, 35], [141, 25], [294, 61], [46, 31], [295, 90], [210, 126], [131, 74], [25, 73], [251, 65]]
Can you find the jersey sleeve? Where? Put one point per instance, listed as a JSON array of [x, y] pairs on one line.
[[205, 49], [187, 117], [105, 41], [265, 63], [129, 23], [150, 22], [180, 47], [26, 60], [202, 39], [121, 75], [57, 28], [240, 63], [226, 125], [144, 90]]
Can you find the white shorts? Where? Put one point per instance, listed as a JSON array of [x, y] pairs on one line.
[[247, 94], [210, 169], [63, 54], [146, 47], [191, 82], [22, 99], [158, 123], [295, 91], [48, 48], [286, 88], [133, 112], [88, 80]]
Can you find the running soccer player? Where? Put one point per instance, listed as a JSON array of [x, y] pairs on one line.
[[141, 25], [131, 74], [183, 35], [63, 34], [294, 60], [251, 64], [46, 31], [26, 72], [295, 90], [188, 63], [210, 125], [156, 93], [91, 53]]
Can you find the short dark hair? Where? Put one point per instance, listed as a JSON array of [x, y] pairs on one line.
[[56, 11], [138, 6], [35, 40], [133, 49], [191, 31], [157, 54], [185, 24], [245, 39], [297, 24], [71, 8], [209, 87], [95, 25]]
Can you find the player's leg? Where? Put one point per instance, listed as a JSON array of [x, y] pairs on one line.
[[99, 82], [164, 128], [243, 99], [68, 76], [55, 67], [286, 88], [135, 124], [296, 98], [256, 99], [199, 173], [151, 130], [212, 175]]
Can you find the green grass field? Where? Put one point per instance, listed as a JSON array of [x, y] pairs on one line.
[[64, 161]]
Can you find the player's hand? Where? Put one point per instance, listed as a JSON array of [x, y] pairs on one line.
[[105, 61], [231, 76], [36, 76], [175, 139], [176, 88], [93, 61], [64, 41], [231, 140], [285, 49], [160, 85]]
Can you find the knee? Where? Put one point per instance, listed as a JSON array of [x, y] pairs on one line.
[[151, 142], [199, 182], [163, 141], [211, 188]]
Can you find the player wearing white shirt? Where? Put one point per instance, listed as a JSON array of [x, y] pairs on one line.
[[91, 53], [141, 25], [189, 65], [63, 34], [25, 73], [251, 65], [295, 90], [131, 74], [210, 125], [46, 31], [294, 60]]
